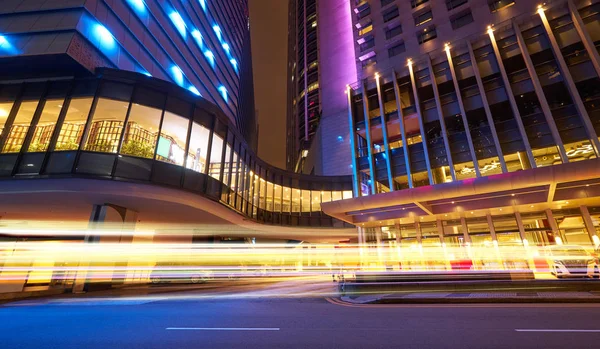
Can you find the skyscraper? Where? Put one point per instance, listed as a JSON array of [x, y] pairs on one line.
[[475, 122]]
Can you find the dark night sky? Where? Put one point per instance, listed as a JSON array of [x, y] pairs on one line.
[[268, 27]]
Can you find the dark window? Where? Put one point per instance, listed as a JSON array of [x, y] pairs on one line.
[[423, 17], [369, 42], [391, 14], [496, 5], [426, 35], [390, 33], [461, 19], [396, 49], [415, 3], [386, 2], [363, 11], [452, 4]]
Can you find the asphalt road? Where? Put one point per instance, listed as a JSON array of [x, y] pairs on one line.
[[258, 320]]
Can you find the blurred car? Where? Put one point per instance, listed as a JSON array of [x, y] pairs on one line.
[[571, 261], [179, 273]]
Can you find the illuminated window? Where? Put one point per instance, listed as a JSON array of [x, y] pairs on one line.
[[45, 126], [106, 126], [198, 151], [365, 30], [171, 142], [497, 5], [215, 156], [4, 112], [423, 17], [71, 131], [19, 128], [141, 132]]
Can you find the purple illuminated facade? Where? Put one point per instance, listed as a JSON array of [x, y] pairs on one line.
[[328, 150]]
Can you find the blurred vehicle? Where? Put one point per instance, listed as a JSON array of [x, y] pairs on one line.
[[179, 273], [571, 261]]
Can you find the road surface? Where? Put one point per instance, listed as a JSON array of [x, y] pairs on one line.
[[302, 318]]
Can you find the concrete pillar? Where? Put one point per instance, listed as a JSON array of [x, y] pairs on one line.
[[421, 123], [369, 140], [465, 229], [587, 123], [115, 219], [438, 104], [589, 225], [463, 113], [486, 108], [402, 130], [398, 234], [585, 36], [535, 80], [418, 232], [521, 227], [511, 98], [355, 178], [440, 228], [554, 227], [386, 146], [491, 226]]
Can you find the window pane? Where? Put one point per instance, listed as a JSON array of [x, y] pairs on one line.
[[325, 196], [171, 143], [18, 130], [45, 126], [269, 196], [277, 198], [215, 156], [106, 126], [347, 194], [286, 199], [295, 200], [141, 131], [227, 164], [336, 195], [305, 200], [198, 148], [72, 128], [263, 193], [316, 200], [4, 111]]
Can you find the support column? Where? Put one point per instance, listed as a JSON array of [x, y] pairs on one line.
[[552, 222], [589, 127], [355, 178], [490, 223], [589, 225], [369, 140], [585, 36], [402, 130], [540, 93], [465, 229], [418, 232], [120, 218], [463, 113], [398, 234], [511, 98], [438, 104], [440, 228], [521, 228], [421, 123], [388, 158], [486, 108]]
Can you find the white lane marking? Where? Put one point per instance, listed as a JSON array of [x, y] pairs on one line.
[[553, 330], [224, 328]]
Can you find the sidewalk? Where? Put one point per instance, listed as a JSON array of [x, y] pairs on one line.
[[475, 297]]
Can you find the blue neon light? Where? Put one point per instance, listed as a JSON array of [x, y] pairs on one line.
[[177, 75], [103, 38], [223, 91], [234, 63], [217, 30], [211, 57], [6, 46], [340, 138], [138, 5], [179, 23], [227, 48], [199, 40], [194, 90], [203, 4]]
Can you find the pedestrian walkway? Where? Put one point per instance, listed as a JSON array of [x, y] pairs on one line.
[[475, 297]]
